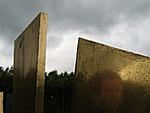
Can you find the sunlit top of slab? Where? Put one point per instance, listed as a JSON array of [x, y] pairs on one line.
[[94, 57]]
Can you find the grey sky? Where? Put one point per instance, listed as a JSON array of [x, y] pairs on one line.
[[120, 23]]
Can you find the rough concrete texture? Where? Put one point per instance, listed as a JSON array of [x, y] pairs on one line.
[[29, 67], [1, 102], [110, 80]]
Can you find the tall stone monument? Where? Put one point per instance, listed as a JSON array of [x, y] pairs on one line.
[[29, 67], [110, 80]]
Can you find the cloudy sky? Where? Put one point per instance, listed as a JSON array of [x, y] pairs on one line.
[[120, 23]]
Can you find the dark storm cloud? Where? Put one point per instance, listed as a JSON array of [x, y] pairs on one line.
[[97, 18], [14, 17], [97, 15], [87, 16]]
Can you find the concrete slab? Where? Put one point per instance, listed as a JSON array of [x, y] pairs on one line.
[[110, 80], [29, 67]]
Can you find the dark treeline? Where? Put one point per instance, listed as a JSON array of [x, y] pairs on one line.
[[58, 92], [6, 79], [58, 89]]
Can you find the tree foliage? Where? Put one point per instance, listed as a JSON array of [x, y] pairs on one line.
[[6, 78], [58, 92], [58, 89]]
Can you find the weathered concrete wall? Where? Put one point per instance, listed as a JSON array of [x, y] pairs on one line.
[[29, 67], [1, 102], [110, 80]]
